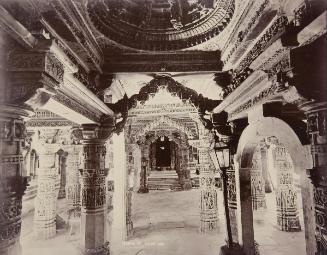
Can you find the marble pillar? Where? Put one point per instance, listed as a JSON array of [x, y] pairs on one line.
[[62, 174], [93, 190], [286, 194], [316, 116], [232, 203], [144, 170], [13, 180], [208, 194], [264, 167], [257, 183], [47, 192], [185, 175], [73, 181], [129, 222], [120, 191]]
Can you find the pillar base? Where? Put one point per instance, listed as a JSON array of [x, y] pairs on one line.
[[235, 249], [129, 228], [44, 233], [62, 193], [143, 190], [289, 224], [209, 225], [13, 249], [268, 188], [102, 250]]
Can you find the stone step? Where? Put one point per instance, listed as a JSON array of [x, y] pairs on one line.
[[163, 180], [30, 191]]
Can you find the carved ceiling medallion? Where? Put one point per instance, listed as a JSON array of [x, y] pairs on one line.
[[160, 25]]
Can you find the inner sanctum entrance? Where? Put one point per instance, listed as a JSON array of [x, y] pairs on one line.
[[163, 153]]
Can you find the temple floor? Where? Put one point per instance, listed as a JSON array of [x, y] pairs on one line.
[[167, 222]]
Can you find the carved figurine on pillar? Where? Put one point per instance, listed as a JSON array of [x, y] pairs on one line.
[[286, 196], [257, 183]]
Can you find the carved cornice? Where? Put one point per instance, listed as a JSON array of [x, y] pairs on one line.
[[183, 61], [275, 30], [78, 107], [259, 6], [71, 16], [10, 25], [260, 98]]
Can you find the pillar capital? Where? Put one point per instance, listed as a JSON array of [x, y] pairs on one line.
[[95, 133]]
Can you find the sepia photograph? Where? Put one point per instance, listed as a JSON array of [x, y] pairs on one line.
[[163, 127]]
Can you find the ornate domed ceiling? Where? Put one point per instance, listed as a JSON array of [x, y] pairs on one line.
[[160, 25]]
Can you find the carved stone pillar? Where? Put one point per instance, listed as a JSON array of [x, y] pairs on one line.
[[264, 167], [13, 180], [144, 169], [173, 155], [316, 115], [286, 196], [185, 176], [129, 222], [63, 174], [93, 190], [232, 203], [257, 183], [47, 192], [72, 182], [208, 199]]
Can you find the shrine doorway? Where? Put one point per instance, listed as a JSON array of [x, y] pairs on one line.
[[163, 153]]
